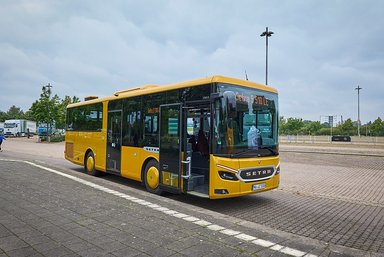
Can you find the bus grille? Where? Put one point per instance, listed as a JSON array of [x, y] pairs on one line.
[[256, 173]]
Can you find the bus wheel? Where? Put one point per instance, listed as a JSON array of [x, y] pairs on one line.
[[89, 165], [152, 177]]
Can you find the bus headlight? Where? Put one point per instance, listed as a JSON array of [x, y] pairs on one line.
[[228, 175]]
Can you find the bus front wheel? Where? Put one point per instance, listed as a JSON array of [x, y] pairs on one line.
[[152, 177], [89, 165]]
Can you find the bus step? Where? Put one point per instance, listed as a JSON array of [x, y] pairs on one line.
[[194, 181]]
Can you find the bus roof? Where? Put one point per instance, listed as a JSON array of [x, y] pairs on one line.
[[149, 89]]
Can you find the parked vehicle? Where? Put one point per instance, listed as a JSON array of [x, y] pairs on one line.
[[43, 127], [19, 128]]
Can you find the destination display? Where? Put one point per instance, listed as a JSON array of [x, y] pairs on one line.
[[259, 100]]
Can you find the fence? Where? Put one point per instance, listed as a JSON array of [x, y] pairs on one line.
[[307, 139]]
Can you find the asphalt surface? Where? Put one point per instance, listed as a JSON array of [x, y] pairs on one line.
[[326, 206], [337, 200]]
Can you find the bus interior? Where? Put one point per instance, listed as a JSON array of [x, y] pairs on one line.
[[198, 148]]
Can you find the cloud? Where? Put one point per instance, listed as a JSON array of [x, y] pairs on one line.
[[319, 53]]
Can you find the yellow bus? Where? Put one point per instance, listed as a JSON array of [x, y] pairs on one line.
[[215, 137]]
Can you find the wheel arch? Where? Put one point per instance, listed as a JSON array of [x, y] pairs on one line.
[[86, 154]]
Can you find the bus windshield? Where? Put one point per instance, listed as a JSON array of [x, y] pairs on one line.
[[245, 122]]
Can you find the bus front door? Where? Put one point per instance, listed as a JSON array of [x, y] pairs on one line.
[[114, 141], [170, 148]]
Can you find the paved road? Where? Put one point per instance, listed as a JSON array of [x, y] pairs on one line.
[[333, 198], [46, 211], [337, 200]]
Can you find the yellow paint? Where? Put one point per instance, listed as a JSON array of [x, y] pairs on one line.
[[239, 188], [153, 177], [132, 161], [170, 179], [80, 142]]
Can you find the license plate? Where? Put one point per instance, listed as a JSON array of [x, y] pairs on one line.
[[258, 186]]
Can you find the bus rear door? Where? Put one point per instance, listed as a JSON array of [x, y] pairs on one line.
[[114, 141]]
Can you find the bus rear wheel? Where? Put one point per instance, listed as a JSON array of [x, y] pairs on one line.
[[152, 177], [89, 165]]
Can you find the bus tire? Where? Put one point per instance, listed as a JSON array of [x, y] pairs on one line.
[[152, 177], [89, 165]]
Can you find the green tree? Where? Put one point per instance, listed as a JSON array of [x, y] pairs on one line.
[[311, 128], [3, 116], [15, 113], [377, 127], [62, 108], [347, 128], [50, 109], [45, 110], [292, 126]]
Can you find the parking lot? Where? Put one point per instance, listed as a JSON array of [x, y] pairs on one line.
[[327, 204]]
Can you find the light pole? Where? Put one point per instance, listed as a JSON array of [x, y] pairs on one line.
[[358, 109], [49, 115], [266, 34]]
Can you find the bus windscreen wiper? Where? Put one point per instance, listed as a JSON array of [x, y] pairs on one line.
[[270, 149], [242, 152], [273, 151]]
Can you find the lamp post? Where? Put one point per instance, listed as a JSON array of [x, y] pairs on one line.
[[49, 115], [358, 109], [266, 34]]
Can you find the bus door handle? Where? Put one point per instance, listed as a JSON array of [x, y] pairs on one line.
[[188, 170]]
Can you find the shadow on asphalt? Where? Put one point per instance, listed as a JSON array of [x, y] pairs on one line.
[[244, 203]]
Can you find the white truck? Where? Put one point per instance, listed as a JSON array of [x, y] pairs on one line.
[[19, 128], [1, 128]]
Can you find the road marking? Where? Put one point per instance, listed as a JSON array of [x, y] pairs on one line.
[[245, 237], [215, 227], [266, 243], [230, 232], [173, 213]]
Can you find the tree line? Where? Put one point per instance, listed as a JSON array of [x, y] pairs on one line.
[[49, 109], [297, 126]]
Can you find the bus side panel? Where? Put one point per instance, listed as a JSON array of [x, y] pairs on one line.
[[72, 154], [132, 160], [99, 146], [77, 144]]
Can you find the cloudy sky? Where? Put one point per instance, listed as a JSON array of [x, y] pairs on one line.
[[320, 52]]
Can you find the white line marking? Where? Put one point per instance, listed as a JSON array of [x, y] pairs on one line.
[[162, 209], [292, 252], [191, 219], [263, 243], [245, 237], [180, 215], [170, 212], [215, 227], [203, 223], [277, 247], [230, 232], [197, 221]]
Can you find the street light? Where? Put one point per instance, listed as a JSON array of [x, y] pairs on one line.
[[49, 115], [266, 34], [358, 109]]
